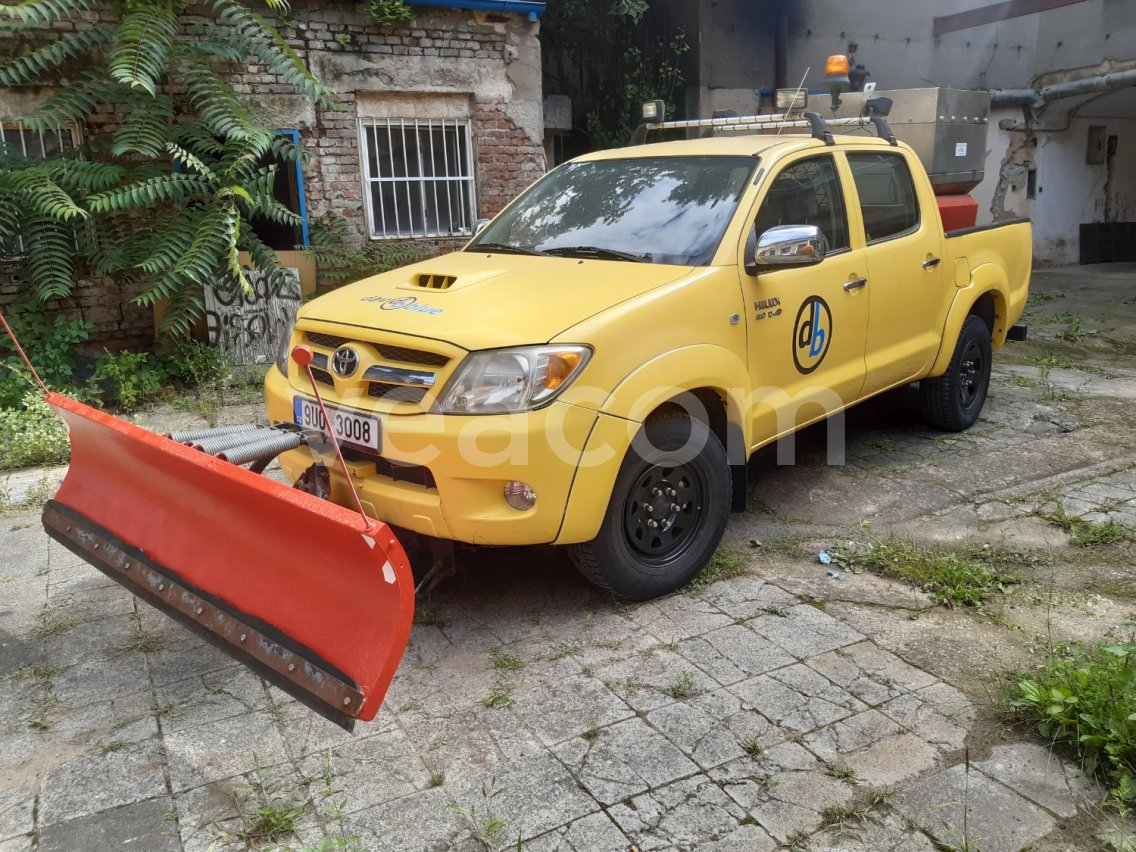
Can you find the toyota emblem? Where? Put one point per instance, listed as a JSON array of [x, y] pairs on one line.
[[345, 362]]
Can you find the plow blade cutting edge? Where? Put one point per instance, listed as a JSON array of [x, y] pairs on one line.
[[311, 596]]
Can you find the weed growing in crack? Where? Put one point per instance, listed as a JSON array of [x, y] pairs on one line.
[[842, 773], [499, 697], [503, 662], [563, 649], [53, 623], [487, 828], [1084, 532], [437, 778], [591, 734], [724, 564], [142, 642], [956, 579], [753, 748], [796, 840], [684, 686], [430, 617]]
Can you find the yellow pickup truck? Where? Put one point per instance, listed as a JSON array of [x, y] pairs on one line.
[[594, 369]]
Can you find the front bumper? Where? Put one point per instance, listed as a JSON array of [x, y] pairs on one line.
[[468, 459]]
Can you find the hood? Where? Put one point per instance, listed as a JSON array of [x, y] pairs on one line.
[[484, 301]]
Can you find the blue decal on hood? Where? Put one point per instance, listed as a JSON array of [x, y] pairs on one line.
[[403, 303]]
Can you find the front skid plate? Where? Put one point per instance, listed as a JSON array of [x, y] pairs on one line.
[[296, 669]]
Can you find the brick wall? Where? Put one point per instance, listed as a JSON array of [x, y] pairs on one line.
[[482, 57]]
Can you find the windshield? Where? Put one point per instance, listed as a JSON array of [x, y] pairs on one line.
[[661, 210]]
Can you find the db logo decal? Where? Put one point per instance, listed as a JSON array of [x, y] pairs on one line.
[[812, 333]]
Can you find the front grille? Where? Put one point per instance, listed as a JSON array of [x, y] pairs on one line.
[[411, 356], [323, 377], [395, 393], [329, 341]]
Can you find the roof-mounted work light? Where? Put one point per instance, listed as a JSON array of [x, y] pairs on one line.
[[654, 111]]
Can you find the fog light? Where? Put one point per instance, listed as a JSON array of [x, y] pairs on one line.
[[519, 495]]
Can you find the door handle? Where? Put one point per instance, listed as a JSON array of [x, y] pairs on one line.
[[932, 262], [855, 285]]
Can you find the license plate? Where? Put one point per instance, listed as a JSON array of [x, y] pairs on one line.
[[358, 430]]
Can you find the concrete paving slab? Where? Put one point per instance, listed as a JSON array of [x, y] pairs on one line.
[[626, 759], [678, 815], [593, 832], [797, 698], [785, 789], [954, 806], [218, 750], [1042, 777], [98, 782], [713, 728], [143, 825], [533, 796]]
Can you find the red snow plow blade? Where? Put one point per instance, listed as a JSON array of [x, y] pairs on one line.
[[306, 593]]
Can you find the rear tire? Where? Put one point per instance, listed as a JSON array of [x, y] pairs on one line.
[[953, 401], [676, 477]]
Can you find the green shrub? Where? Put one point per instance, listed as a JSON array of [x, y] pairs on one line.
[[1086, 697], [187, 363], [32, 434], [49, 345], [131, 376]]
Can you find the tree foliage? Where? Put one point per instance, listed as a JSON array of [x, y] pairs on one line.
[[610, 56], [168, 199]]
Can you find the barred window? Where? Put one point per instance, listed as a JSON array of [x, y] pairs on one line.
[[16, 140], [417, 177], [19, 141]]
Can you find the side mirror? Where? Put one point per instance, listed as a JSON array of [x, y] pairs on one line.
[[789, 245], [479, 226]]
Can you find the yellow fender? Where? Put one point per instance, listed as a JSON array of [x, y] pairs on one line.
[[623, 412], [987, 278]]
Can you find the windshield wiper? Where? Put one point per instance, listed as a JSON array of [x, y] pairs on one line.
[[505, 248], [597, 252]]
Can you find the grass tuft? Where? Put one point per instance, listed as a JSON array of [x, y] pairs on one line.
[[498, 698], [1086, 533], [684, 686], [503, 662], [959, 580], [723, 565]]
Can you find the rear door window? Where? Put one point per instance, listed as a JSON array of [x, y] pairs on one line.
[[887, 195]]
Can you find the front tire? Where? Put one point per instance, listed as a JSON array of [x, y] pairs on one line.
[[667, 512], [953, 401]]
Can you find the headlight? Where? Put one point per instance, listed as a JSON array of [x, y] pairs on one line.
[[505, 380], [285, 348]]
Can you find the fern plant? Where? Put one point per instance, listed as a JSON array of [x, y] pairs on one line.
[[166, 201]]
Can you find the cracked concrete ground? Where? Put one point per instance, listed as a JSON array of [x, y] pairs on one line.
[[775, 709]]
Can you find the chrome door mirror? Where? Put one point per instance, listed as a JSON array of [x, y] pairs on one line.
[[790, 245], [479, 226]]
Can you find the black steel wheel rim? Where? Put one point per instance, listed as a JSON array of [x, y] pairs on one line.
[[664, 513], [972, 370]]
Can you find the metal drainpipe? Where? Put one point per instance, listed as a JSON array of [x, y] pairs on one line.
[[1072, 89]]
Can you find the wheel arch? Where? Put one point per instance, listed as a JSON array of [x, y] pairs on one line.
[[985, 297]]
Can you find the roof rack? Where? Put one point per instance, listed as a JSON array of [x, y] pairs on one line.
[[874, 112]]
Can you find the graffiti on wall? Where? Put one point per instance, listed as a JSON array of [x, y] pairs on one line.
[[247, 326]]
